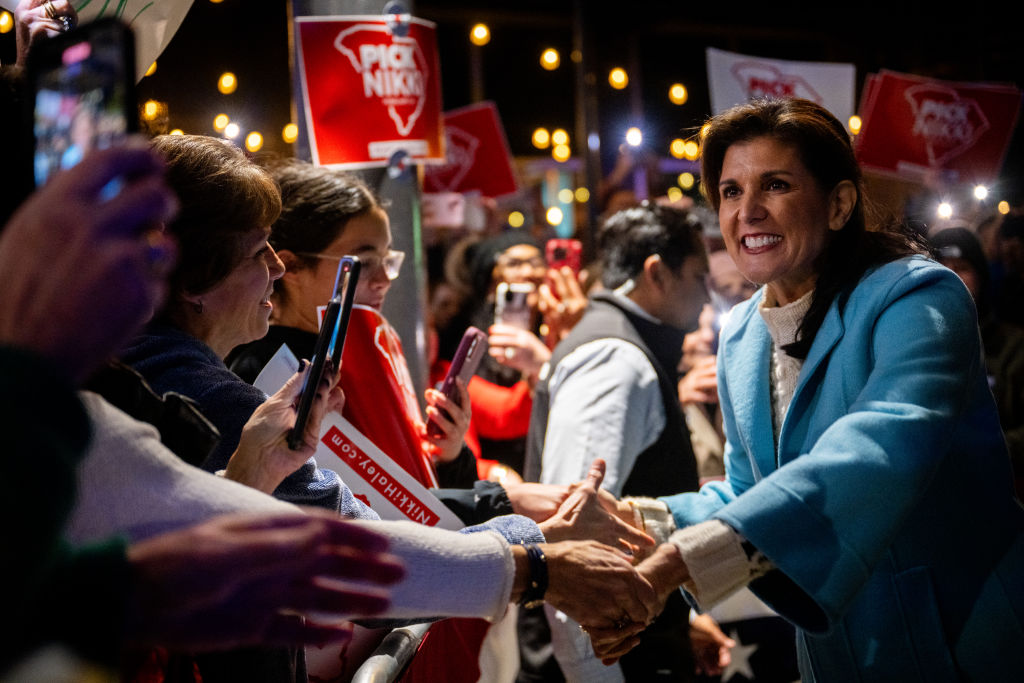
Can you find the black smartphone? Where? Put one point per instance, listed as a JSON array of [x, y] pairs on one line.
[[329, 345], [467, 359], [83, 94], [512, 305]]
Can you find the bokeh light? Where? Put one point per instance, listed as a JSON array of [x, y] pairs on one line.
[[1003, 207], [232, 130], [677, 94], [516, 219], [6, 22], [945, 210], [550, 59], [253, 141], [686, 180], [480, 34], [565, 195], [582, 195], [151, 70], [674, 194], [554, 215], [227, 83], [634, 137], [617, 78], [561, 153], [220, 122], [541, 138], [290, 133], [980, 192], [855, 124], [559, 137], [677, 148]]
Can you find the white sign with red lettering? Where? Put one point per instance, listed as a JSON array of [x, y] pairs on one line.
[[734, 79]]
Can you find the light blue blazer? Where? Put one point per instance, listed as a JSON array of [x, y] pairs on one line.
[[888, 509]]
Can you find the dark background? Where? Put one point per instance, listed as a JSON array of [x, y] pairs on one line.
[[976, 42]]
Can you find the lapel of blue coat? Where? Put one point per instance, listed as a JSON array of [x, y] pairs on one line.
[[747, 360], [829, 334]]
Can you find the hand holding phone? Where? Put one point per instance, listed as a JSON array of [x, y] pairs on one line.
[[83, 94], [512, 304], [467, 359], [564, 252], [329, 345]]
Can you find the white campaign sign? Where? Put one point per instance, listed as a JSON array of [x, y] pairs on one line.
[[734, 79]]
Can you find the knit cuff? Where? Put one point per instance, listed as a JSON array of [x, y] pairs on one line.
[[653, 517], [717, 561]]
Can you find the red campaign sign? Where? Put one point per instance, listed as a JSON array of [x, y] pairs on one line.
[[478, 154], [915, 127], [369, 93], [377, 477]]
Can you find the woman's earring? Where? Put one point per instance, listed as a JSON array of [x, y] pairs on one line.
[[198, 306]]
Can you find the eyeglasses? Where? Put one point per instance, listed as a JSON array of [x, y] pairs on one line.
[[511, 262], [391, 261]]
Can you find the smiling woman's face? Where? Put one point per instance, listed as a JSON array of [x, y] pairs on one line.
[[774, 216], [237, 309]]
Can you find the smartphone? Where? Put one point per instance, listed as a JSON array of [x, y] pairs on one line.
[[511, 304], [83, 94], [329, 345], [471, 351], [564, 252]]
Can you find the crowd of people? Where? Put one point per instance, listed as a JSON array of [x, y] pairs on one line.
[[800, 403]]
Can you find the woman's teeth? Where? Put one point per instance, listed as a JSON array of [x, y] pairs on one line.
[[757, 241]]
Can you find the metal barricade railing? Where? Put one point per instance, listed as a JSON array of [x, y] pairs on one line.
[[393, 654]]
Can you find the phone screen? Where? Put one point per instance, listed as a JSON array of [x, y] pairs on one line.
[[83, 94], [329, 344]]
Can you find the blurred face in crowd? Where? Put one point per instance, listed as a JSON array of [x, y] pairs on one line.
[[238, 308], [522, 263], [774, 216], [685, 293], [965, 271]]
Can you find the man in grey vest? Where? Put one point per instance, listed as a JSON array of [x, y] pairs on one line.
[[610, 391]]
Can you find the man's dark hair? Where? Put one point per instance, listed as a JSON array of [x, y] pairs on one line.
[[628, 237]]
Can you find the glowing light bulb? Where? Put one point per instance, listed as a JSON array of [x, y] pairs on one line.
[[253, 141], [618, 78], [480, 34], [677, 94], [227, 83], [290, 133], [550, 59]]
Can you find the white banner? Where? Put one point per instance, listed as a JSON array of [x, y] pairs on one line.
[[153, 21], [734, 79]]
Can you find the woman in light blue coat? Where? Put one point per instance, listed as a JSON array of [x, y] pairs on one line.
[[868, 496]]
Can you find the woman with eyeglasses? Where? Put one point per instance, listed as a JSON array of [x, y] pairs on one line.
[[326, 215]]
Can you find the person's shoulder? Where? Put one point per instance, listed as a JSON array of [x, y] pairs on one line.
[[911, 270]]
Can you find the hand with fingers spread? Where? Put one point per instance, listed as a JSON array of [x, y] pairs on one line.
[[711, 647], [263, 458], [96, 263], [561, 303], [583, 516], [239, 580], [450, 420]]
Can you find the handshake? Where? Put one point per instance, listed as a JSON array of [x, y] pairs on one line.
[[591, 550]]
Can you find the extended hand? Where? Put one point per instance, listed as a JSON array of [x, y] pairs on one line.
[[597, 586], [539, 502], [517, 348], [582, 515], [665, 571], [562, 303], [226, 582]]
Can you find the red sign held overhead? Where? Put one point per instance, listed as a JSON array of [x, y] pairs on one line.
[[369, 92], [478, 154], [915, 126]]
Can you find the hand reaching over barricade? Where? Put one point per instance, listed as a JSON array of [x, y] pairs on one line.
[[582, 515], [239, 580]]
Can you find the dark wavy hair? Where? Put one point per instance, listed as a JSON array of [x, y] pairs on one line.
[[316, 204], [824, 147], [224, 197], [628, 237]]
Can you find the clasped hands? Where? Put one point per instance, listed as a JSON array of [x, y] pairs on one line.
[[591, 550]]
